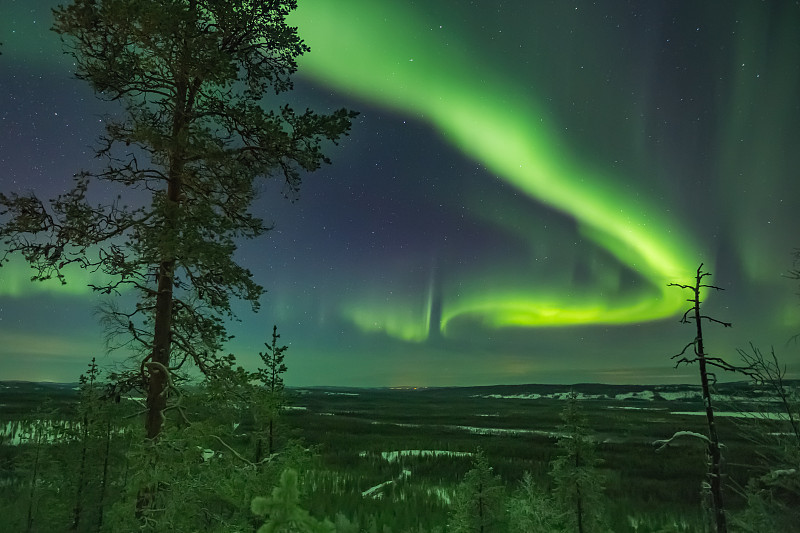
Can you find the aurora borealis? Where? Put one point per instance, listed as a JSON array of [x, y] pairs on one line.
[[523, 182]]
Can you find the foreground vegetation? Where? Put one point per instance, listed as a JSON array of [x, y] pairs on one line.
[[374, 460]]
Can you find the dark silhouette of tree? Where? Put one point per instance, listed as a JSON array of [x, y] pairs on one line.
[[283, 512], [705, 363], [87, 409], [478, 504], [768, 372], [773, 494], [578, 482], [273, 400], [184, 156], [530, 508], [794, 274], [36, 467]]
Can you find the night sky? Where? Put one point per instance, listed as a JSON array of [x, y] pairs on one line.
[[523, 181]]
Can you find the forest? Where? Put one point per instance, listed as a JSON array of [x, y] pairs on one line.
[[383, 460], [179, 436]]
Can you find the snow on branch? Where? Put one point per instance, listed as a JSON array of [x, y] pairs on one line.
[[663, 443]]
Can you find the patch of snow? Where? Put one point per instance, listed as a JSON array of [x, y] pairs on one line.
[[442, 493], [374, 492], [537, 396], [504, 431], [395, 455], [635, 408], [532, 396], [737, 414], [679, 395], [399, 424], [639, 395], [206, 453], [16, 432]]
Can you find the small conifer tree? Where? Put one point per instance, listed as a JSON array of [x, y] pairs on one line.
[[530, 509], [478, 505], [270, 375], [578, 482], [283, 512], [87, 409]]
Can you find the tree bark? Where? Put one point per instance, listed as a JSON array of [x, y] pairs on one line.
[[104, 479], [156, 392], [715, 456], [271, 443], [578, 499], [34, 480], [78, 509], [162, 335], [158, 366]]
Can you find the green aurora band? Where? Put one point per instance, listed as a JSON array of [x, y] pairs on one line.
[[16, 281], [381, 53]]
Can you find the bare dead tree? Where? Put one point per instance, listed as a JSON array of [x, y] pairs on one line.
[[695, 352], [769, 372]]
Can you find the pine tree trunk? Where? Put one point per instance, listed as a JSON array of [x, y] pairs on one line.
[[271, 443], [156, 392], [158, 365], [76, 512], [259, 450], [34, 479], [162, 335], [480, 508], [104, 478], [579, 505]]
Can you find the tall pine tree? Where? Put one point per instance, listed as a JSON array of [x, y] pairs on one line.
[[184, 157]]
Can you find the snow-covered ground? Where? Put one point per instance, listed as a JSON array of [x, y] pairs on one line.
[[686, 393], [395, 455], [679, 395], [15, 432], [442, 493], [639, 395], [376, 491], [637, 408], [738, 414], [503, 431], [536, 396]]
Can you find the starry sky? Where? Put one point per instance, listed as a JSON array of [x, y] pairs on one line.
[[523, 181]]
